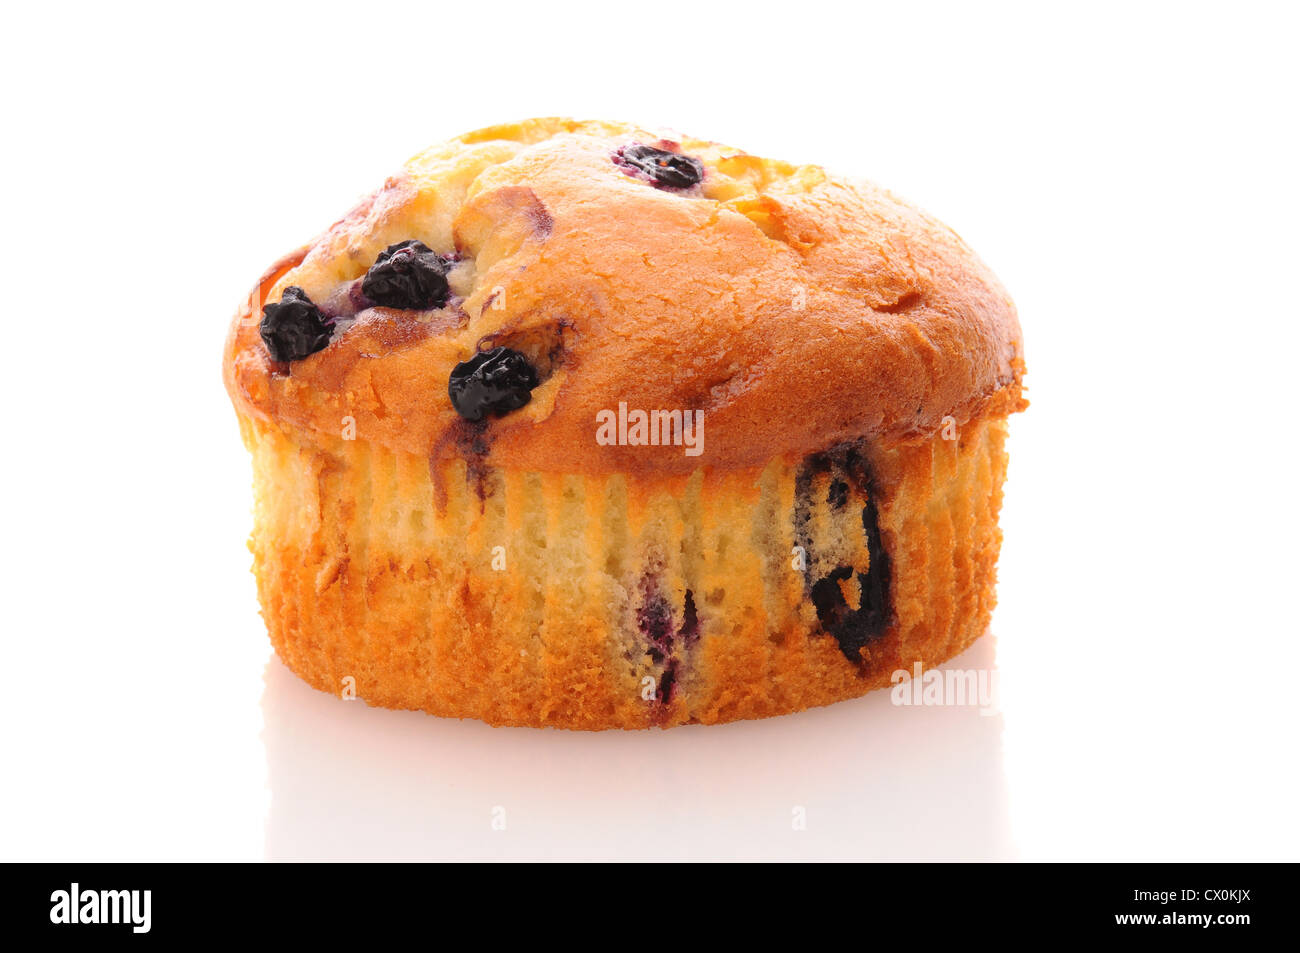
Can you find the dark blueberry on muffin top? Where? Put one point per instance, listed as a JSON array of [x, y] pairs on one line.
[[294, 327], [496, 381], [408, 275], [664, 169]]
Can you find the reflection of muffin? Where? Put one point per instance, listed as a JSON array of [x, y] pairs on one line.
[[572, 425]]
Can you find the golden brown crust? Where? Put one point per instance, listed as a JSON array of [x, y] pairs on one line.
[[796, 308], [563, 600]]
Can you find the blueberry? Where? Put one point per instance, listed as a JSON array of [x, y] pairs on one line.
[[496, 381], [665, 169], [854, 628], [408, 275], [654, 619], [294, 328]]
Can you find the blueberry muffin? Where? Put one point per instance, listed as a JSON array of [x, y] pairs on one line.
[[576, 424]]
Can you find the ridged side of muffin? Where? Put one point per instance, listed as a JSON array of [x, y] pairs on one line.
[[596, 601]]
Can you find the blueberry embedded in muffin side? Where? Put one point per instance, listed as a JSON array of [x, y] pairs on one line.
[[865, 613], [473, 318]]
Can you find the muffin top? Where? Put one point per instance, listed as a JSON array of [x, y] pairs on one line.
[[512, 291]]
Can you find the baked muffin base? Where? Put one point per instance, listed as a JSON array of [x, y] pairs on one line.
[[621, 601]]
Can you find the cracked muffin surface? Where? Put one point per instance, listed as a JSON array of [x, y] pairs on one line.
[[440, 525], [798, 309]]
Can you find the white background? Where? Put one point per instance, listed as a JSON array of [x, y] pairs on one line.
[[1129, 171]]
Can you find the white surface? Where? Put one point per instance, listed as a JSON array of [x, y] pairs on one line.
[[1129, 171]]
